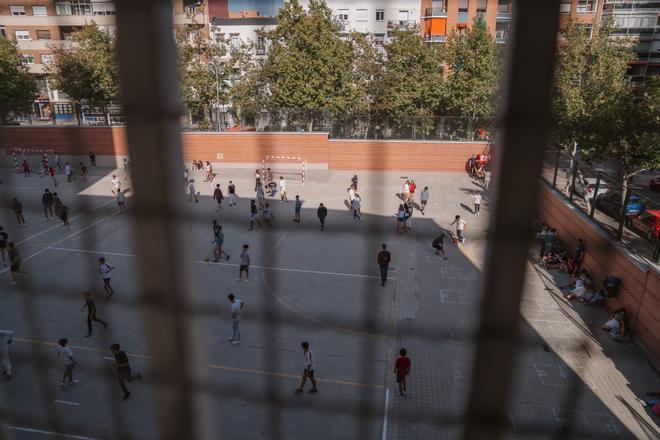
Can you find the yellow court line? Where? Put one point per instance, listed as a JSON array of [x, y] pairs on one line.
[[214, 366], [392, 348]]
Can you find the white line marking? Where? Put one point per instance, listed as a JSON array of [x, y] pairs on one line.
[[108, 358], [66, 402], [283, 269], [57, 434], [59, 225], [65, 238], [387, 405]]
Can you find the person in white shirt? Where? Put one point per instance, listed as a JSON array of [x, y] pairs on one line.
[[487, 177], [477, 202], [192, 193], [406, 191], [116, 185], [308, 372], [5, 342], [268, 216], [460, 227], [351, 197], [66, 357], [104, 271], [282, 188], [235, 308], [68, 171]]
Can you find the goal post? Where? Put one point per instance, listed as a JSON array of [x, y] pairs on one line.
[[294, 167], [22, 152]]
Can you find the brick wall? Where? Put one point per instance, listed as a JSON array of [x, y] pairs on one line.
[[640, 284], [250, 148]]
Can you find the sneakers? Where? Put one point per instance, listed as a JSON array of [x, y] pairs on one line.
[[75, 381], [62, 385], [237, 279], [237, 341], [88, 335], [126, 396], [245, 280], [298, 391], [230, 339], [314, 390], [227, 257]]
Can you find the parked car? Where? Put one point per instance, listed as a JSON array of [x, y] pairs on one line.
[[610, 204], [647, 223], [654, 183], [588, 186]]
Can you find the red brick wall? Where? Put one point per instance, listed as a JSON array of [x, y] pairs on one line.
[[252, 147], [402, 155], [640, 285]]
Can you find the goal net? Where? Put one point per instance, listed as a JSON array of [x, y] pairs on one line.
[[22, 154], [291, 167]]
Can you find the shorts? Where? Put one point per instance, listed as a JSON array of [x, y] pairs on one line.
[[244, 267], [106, 281], [308, 373], [121, 204], [423, 202], [15, 267], [400, 378]]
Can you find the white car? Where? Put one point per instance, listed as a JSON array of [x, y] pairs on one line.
[[588, 186]]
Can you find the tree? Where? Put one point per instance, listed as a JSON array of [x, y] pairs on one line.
[[412, 79], [308, 63], [248, 91], [367, 73], [204, 71], [474, 64], [87, 70], [597, 108], [18, 88]]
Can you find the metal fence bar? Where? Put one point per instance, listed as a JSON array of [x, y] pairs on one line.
[[524, 123], [150, 96]]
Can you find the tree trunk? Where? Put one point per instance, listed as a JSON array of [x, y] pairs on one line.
[[569, 172]]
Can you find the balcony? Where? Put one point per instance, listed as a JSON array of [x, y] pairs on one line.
[[435, 12], [504, 12], [400, 24], [260, 50], [435, 38]]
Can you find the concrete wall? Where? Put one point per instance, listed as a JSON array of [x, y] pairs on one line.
[[640, 283], [250, 148]]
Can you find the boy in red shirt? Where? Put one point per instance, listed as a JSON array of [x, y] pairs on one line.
[[402, 369]]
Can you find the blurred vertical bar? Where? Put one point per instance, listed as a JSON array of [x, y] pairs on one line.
[[150, 97], [524, 122]]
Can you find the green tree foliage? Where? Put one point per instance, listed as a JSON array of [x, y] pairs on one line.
[[412, 79], [247, 93], [366, 83], [18, 88], [205, 71], [590, 76], [474, 65], [308, 63], [87, 70]]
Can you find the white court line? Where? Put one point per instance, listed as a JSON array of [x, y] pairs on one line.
[[387, 405], [56, 434], [108, 358], [58, 225], [64, 239], [66, 402], [283, 269]]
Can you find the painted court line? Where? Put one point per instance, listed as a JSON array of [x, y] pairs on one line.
[[66, 238], [66, 402], [54, 434], [215, 366], [281, 269], [387, 404]]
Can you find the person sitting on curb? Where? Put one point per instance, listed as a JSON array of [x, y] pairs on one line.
[[617, 325]]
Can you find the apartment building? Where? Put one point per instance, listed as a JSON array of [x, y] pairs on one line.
[[228, 20], [441, 17], [640, 21], [38, 26]]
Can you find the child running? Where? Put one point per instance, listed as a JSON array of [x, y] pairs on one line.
[[245, 264], [91, 313], [104, 271]]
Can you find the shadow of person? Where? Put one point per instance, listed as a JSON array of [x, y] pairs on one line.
[[467, 208]]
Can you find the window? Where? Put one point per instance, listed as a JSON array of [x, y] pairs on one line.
[[361, 15], [81, 7], [379, 39], [27, 58], [481, 5], [39, 11], [47, 59], [23, 35], [565, 7], [404, 15], [260, 47], [103, 8], [462, 10], [502, 31], [63, 109], [586, 6], [17, 10], [380, 14], [504, 7], [63, 8], [235, 41], [43, 35], [342, 14]]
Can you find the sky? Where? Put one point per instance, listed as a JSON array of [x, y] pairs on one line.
[[266, 7]]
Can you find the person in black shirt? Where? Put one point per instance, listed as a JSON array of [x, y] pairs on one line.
[[438, 245], [47, 202], [91, 313], [123, 369], [384, 258], [17, 207], [3, 245], [354, 182], [92, 159], [254, 215], [322, 213]]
